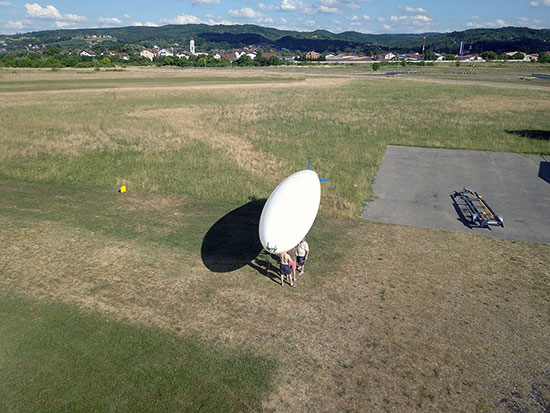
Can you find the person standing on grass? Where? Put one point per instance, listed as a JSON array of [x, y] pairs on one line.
[[293, 256], [303, 254], [284, 267]]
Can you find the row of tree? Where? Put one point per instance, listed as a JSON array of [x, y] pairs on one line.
[[52, 58]]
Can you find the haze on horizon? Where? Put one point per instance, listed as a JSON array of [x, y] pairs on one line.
[[365, 16]]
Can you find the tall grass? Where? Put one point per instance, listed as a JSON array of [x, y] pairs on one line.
[[168, 141]]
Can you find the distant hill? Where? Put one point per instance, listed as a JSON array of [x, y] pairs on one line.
[[506, 39], [236, 36]]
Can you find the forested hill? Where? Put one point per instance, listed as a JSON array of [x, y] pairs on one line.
[[235, 36], [506, 39]]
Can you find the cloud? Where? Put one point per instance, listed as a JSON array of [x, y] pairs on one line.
[[183, 19], [64, 24], [495, 23], [527, 22], [189, 19], [416, 23], [523, 20], [146, 24], [543, 3], [127, 16], [246, 13], [413, 10], [206, 3], [36, 11], [419, 18], [340, 4], [291, 5], [213, 20], [263, 6], [109, 20], [16, 25], [366, 17], [354, 20], [74, 18], [298, 5], [5, 3], [329, 10], [380, 19]]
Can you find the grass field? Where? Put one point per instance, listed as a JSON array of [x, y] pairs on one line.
[[118, 302]]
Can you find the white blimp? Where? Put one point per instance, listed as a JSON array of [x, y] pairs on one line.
[[290, 211]]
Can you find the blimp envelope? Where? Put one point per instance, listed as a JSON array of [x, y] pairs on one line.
[[290, 211]]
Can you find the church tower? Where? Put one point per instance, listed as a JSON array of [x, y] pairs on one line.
[[192, 46]]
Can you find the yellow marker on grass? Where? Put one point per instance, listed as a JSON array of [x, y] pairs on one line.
[[122, 189]]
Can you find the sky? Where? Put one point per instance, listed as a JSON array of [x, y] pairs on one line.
[[365, 16]]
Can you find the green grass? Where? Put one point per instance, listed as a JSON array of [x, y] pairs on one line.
[[181, 224], [195, 169], [348, 142], [105, 139], [178, 223], [55, 357], [380, 309]]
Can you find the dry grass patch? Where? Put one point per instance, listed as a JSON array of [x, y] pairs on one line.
[[201, 123], [487, 105], [408, 319]]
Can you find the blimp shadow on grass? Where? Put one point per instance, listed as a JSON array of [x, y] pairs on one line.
[[233, 241], [276, 225]]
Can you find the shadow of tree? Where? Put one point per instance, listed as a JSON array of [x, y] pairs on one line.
[[544, 171], [233, 241], [541, 135]]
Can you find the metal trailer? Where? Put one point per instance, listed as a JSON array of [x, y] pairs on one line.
[[482, 214]]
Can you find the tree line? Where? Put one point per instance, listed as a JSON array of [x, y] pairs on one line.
[[53, 58]]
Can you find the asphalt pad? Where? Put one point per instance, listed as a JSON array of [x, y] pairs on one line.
[[416, 186]]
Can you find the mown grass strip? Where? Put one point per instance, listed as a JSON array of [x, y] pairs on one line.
[[97, 83], [55, 357]]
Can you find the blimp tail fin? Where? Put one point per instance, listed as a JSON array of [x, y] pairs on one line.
[[320, 179], [270, 249]]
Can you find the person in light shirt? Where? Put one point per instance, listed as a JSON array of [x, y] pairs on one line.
[[302, 255]]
